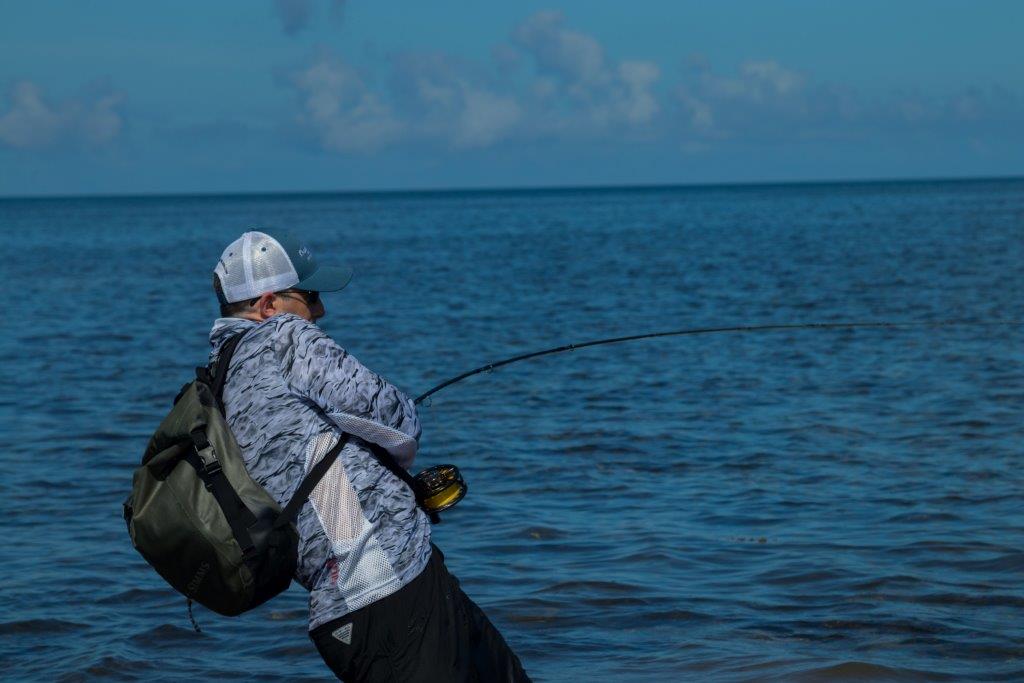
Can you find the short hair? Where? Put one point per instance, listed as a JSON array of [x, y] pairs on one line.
[[229, 310]]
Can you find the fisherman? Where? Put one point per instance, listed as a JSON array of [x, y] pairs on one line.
[[382, 606]]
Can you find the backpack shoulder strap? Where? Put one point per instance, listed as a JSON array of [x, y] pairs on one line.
[[309, 483], [219, 371]]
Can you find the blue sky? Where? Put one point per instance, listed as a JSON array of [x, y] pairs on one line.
[[310, 95]]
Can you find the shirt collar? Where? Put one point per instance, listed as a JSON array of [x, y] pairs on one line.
[[225, 328]]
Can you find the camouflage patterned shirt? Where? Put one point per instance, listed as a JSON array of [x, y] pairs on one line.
[[291, 392]]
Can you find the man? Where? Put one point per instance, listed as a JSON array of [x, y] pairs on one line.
[[382, 607]]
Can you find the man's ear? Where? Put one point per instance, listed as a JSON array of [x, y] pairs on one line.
[[265, 307]]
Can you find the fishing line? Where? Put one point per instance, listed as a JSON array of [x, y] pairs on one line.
[[709, 330]]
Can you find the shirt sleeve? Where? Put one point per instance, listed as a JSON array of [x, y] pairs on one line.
[[352, 396]]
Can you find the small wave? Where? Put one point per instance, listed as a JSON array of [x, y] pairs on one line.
[[865, 671], [889, 627], [45, 484], [540, 490], [623, 601], [943, 547], [286, 652], [116, 668], [925, 517], [901, 580], [511, 549], [1005, 601], [136, 596], [986, 499], [787, 577], [47, 626], [538, 610], [582, 449], [747, 539], [672, 615], [836, 430], [653, 467], [540, 533], [166, 634], [595, 586], [970, 424], [751, 462], [535, 618], [1010, 562], [108, 436]]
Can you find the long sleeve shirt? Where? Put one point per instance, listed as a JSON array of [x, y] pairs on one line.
[[291, 392]]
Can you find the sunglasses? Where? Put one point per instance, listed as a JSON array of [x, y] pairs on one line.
[[311, 299]]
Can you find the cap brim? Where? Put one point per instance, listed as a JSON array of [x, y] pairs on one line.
[[327, 279]]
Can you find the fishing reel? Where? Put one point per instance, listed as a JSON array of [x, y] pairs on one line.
[[440, 487]]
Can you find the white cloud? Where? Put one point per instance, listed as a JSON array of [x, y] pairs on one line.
[[575, 58], [637, 102], [337, 106], [698, 112], [101, 122], [30, 122], [766, 101], [761, 82], [549, 80], [772, 77], [446, 98], [33, 123], [485, 118], [574, 74], [556, 84], [760, 95]]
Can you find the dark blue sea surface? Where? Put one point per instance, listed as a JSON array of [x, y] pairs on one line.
[[791, 506]]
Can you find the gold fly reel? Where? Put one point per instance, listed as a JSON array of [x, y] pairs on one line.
[[441, 486]]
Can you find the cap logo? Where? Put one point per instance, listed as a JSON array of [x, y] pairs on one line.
[[304, 253]]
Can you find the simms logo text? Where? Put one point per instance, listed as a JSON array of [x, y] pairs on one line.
[[200, 574]]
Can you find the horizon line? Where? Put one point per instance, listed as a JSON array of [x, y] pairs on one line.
[[513, 189]]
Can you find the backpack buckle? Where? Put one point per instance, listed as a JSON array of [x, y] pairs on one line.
[[210, 471], [208, 459]]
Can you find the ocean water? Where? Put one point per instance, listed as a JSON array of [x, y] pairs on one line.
[[790, 506]]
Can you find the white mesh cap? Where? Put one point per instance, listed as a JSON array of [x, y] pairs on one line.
[[253, 264], [268, 261]]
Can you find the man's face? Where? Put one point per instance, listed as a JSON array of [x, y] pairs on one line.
[[298, 303], [304, 304]]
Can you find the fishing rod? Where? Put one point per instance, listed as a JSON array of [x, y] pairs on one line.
[[442, 486], [708, 330]]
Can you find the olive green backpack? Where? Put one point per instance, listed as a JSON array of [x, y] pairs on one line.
[[196, 515]]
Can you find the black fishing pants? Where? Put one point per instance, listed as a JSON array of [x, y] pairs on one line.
[[427, 631]]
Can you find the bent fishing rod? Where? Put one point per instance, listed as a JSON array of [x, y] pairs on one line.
[[710, 330], [442, 486]]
